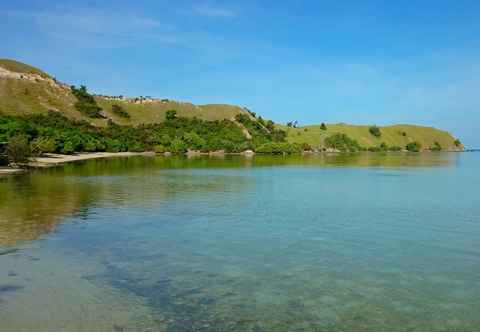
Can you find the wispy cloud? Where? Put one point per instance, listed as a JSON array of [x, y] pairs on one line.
[[214, 12], [208, 10], [97, 28]]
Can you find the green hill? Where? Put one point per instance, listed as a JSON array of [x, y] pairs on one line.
[[27, 90], [33, 91], [155, 111], [396, 135]]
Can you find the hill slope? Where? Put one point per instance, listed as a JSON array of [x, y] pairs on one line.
[[396, 135], [27, 90]]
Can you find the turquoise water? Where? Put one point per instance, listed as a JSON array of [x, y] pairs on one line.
[[315, 243]]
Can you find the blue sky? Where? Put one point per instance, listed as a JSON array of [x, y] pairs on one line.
[[364, 62]]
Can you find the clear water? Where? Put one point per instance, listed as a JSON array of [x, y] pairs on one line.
[[315, 243]]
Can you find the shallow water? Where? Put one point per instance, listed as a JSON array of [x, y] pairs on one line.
[[366, 242]]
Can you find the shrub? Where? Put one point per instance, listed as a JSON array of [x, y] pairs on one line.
[[306, 147], [414, 147], [270, 125], [178, 146], [375, 131], [159, 149], [114, 145], [120, 111], [194, 141], [342, 142], [279, 148], [323, 126], [436, 147], [279, 135], [171, 115], [90, 146], [457, 143], [86, 103], [68, 148], [3, 153], [18, 149], [42, 145]]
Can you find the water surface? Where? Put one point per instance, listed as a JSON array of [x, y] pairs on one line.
[[364, 242]]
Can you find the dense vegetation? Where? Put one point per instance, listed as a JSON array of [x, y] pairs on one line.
[[342, 143], [55, 133], [23, 136], [282, 148], [262, 132], [375, 131]]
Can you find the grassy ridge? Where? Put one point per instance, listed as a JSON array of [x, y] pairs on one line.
[[21, 97], [24, 97], [396, 135], [155, 112], [23, 68]]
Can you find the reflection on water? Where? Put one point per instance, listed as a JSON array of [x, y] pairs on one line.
[[33, 204], [364, 242]]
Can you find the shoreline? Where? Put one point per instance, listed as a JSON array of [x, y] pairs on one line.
[[53, 159]]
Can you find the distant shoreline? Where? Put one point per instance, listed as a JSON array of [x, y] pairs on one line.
[[53, 159]]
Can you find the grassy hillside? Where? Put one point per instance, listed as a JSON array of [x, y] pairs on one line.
[[20, 97], [19, 67], [397, 135], [154, 112], [23, 96]]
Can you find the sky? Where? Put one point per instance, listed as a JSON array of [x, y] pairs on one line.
[[361, 62]]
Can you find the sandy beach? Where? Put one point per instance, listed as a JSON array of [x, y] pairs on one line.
[[55, 159], [52, 159]]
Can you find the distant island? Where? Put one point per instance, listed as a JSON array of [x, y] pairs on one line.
[[40, 115]]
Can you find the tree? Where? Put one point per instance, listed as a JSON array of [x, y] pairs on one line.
[[323, 126], [436, 147], [342, 142], [194, 141], [414, 147], [279, 135], [43, 145], [457, 143], [270, 125], [375, 131], [178, 146], [171, 115], [18, 149]]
